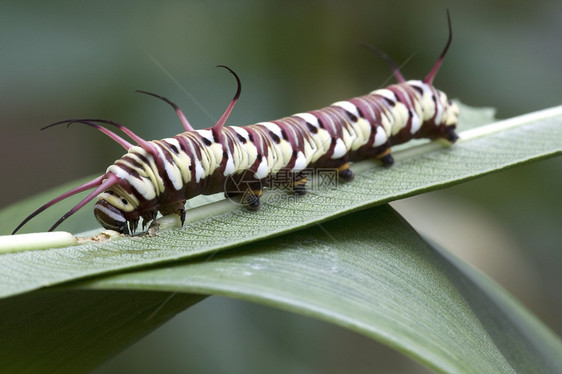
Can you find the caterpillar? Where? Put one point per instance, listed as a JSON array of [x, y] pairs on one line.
[[160, 175]]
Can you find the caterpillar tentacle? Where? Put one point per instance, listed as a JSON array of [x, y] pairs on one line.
[[160, 175], [433, 72], [86, 186], [125, 144], [186, 125], [395, 70], [108, 182], [222, 120]]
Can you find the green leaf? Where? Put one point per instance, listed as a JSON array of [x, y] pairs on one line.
[[367, 270], [380, 279], [223, 225], [68, 331]]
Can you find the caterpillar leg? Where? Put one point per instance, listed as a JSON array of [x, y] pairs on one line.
[[244, 190], [251, 198], [345, 173], [149, 218], [299, 186], [295, 182], [451, 135], [175, 208], [133, 224], [181, 212], [386, 158], [186, 125]]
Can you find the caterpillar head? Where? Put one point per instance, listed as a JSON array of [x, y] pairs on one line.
[[115, 211], [110, 217]]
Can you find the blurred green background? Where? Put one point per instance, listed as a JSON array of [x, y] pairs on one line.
[[69, 59]]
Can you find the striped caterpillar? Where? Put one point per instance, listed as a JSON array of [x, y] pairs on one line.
[[160, 175]]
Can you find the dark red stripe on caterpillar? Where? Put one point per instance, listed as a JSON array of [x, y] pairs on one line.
[[160, 175]]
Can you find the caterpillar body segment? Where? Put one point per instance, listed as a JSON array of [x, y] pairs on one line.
[[160, 175]]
